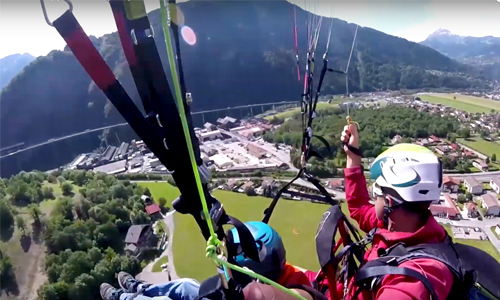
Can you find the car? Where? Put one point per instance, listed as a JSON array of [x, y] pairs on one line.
[[164, 266]]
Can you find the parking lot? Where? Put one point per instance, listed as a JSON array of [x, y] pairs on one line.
[[470, 233]]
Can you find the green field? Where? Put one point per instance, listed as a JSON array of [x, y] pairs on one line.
[[466, 103], [486, 147], [292, 112]]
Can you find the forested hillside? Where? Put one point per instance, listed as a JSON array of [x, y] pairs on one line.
[[83, 232], [378, 125], [244, 54]]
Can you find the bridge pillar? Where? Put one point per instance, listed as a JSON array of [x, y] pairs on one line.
[[251, 111], [274, 107], [203, 118], [262, 108]]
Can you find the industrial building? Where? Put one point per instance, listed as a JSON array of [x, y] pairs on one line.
[[122, 152], [256, 150], [107, 155], [209, 135], [155, 162], [227, 122], [221, 161], [116, 167]]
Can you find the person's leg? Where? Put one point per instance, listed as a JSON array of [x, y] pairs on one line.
[[181, 289], [129, 296]]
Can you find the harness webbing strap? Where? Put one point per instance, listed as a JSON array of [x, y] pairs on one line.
[[372, 272]]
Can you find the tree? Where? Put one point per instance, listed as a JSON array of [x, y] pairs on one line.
[[67, 188], [484, 134], [493, 157], [468, 196], [465, 132], [461, 199], [21, 224], [487, 160], [35, 213], [6, 216], [162, 201]]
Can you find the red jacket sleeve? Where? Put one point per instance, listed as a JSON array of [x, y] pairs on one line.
[[407, 288], [357, 197]]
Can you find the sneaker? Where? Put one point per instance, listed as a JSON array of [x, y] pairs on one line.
[[108, 292], [128, 283]]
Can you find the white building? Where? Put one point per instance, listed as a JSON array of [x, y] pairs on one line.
[[210, 135], [473, 186], [491, 204], [222, 161], [495, 184], [154, 163]]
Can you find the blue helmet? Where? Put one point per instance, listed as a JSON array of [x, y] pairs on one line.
[[272, 254]]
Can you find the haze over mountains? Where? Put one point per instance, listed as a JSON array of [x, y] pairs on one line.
[[244, 54], [11, 65]]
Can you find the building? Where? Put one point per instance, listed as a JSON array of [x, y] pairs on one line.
[[473, 186], [251, 132], [256, 150], [445, 208], [245, 188], [107, 155], [497, 229], [495, 184], [140, 238], [153, 210], [227, 123], [491, 204], [451, 184], [396, 139], [209, 135], [221, 161], [336, 184], [113, 168], [480, 164], [210, 151], [472, 211], [209, 126], [155, 162]]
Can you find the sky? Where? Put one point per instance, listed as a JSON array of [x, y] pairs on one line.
[[23, 28]]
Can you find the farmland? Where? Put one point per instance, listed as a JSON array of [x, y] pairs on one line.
[[461, 102]]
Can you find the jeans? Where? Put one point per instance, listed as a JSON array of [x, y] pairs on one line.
[[181, 289]]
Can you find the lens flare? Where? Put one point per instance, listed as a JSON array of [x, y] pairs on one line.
[[188, 35]]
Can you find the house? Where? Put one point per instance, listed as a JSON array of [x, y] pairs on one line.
[[451, 184], [497, 229], [470, 154], [445, 208], [434, 139], [396, 139], [442, 149], [495, 184], [491, 204], [209, 126], [336, 184], [246, 187], [472, 211], [140, 238], [153, 210], [473, 186], [480, 164], [231, 184]]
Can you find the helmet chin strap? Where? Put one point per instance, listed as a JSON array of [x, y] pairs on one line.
[[389, 209]]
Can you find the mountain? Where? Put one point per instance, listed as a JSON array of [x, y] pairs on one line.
[[244, 54], [11, 65], [477, 51]]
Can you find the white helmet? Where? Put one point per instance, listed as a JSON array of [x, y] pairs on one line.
[[408, 172]]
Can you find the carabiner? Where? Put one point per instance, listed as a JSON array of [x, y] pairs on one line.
[[42, 2]]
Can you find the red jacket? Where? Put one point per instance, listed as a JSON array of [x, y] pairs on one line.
[[394, 287]]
